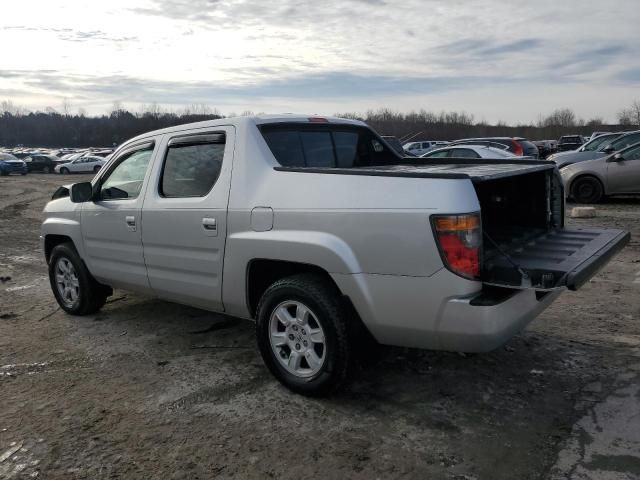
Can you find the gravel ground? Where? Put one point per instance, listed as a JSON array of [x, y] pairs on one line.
[[150, 389]]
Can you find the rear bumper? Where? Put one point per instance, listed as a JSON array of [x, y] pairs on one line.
[[481, 328], [439, 312], [11, 170]]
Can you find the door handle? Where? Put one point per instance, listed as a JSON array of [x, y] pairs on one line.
[[131, 220], [209, 223]]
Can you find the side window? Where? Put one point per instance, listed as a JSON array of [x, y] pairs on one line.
[[192, 165], [626, 141], [124, 181], [632, 154], [464, 153], [441, 154]]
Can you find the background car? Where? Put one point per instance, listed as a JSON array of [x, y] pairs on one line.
[[396, 145], [470, 151], [616, 174], [81, 165], [570, 142], [545, 147], [420, 148], [42, 163], [609, 145], [517, 145], [10, 164]]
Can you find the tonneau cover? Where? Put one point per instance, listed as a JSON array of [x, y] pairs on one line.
[[478, 170]]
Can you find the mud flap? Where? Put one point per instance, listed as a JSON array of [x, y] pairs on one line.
[[556, 259]]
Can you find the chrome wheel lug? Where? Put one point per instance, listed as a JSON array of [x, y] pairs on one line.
[[305, 343], [297, 346], [291, 336], [295, 328]]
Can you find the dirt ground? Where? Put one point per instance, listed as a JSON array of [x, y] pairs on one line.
[[149, 389]]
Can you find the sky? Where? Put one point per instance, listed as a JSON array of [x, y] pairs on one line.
[[509, 60]]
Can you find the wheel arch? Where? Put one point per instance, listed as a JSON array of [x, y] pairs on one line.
[[263, 272]]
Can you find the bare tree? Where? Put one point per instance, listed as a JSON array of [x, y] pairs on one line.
[[562, 117], [65, 107]]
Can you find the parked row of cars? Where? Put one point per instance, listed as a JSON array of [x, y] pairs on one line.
[[604, 164], [22, 161]]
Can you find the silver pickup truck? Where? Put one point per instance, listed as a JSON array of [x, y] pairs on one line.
[[317, 230]]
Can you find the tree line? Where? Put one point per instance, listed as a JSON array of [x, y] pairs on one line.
[[64, 129]]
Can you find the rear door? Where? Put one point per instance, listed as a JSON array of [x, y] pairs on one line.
[[184, 218]]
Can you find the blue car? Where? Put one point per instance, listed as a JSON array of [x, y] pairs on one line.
[[10, 164]]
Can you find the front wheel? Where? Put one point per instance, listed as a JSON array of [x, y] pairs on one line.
[[587, 190], [64, 171], [46, 170], [302, 334], [76, 291]]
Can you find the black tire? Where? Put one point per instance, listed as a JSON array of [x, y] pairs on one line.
[[96, 169], [325, 301], [587, 190], [64, 171], [91, 295], [3, 173], [46, 169]]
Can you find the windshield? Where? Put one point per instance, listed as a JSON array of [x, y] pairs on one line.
[[7, 156], [593, 145]]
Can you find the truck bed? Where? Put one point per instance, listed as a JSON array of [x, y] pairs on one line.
[[477, 170]]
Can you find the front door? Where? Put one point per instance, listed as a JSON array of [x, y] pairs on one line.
[[184, 218], [111, 223], [623, 176]]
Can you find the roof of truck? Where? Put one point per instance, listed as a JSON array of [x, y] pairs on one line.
[[255, 120]]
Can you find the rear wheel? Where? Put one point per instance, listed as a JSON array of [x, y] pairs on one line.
[[46, 169], [64, 171], [76, 291], [302, 334], [96, 169], [587, 190]]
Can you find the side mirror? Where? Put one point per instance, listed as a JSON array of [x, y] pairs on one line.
[[81, 192], [616, 158]]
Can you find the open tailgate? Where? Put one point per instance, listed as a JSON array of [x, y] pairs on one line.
[[554, 259]]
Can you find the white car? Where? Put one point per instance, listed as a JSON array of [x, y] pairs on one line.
[[470, 151], [81, 165], [420, 148]]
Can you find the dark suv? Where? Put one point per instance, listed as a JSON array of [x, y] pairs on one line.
[[516, 145], [570, 142]]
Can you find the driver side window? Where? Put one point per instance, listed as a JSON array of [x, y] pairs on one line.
[[124, 181]]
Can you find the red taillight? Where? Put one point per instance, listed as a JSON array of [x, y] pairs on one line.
[[318, 120], [460, 239], [519, 151]]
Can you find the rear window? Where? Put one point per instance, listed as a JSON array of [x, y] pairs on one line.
[[326, 146]]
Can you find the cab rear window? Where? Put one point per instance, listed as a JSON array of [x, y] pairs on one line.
[[326, 146]]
